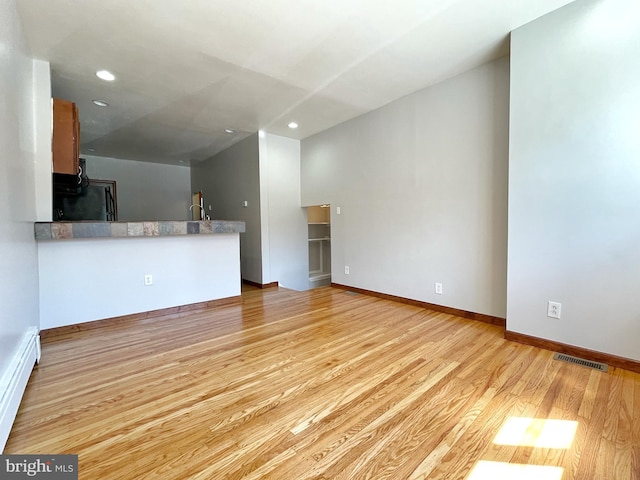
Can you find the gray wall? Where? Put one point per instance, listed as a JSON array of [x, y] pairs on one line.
[[422, 185], [284, 221], [574, 181], [226, 180], [146, 191], [18, 254]]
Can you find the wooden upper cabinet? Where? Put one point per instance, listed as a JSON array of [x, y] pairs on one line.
[[66, 137]]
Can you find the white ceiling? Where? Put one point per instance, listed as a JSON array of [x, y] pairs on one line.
[[186, 70]]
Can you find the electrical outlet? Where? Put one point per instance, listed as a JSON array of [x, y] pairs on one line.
[[438, 288], [346, 270], [554, 309], [148, 280], [338, 210]]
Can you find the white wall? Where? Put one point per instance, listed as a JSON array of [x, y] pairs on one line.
[[43, 119], [422, 185], [226, 180], [574, 181], [285, 256], [146, 191], [186, 269], [18, 254]]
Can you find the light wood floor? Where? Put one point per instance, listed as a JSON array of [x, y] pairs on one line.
[[324, 385]]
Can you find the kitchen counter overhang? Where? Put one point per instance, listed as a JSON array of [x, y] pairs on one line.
[[88, 229]]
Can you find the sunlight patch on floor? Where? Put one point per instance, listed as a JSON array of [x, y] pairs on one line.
[[537, 432]]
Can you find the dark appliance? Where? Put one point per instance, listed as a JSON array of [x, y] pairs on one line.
[[77, 197]]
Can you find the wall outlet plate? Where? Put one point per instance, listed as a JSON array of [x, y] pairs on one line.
[[346, 270], [438, 288], [554, 309], [148, 280]]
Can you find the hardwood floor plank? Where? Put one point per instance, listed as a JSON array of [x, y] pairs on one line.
[[635, 430], [592, 444], [623, 450], [318, 385]]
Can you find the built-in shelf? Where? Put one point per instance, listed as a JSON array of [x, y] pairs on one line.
[[319, 236], [316, 276]]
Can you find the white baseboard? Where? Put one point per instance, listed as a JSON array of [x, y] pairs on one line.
[[15, 381]]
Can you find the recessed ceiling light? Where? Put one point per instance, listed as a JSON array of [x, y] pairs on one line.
[[228, 130], [91, 149], [100, 103], [293, 125], [180, 161], [106, 75]]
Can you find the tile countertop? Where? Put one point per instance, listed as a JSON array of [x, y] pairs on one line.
[[68, 230]]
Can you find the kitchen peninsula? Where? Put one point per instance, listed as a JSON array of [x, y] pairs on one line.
[[97, 270]]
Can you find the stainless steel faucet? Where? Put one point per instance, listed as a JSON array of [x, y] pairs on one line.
[[202, 211]]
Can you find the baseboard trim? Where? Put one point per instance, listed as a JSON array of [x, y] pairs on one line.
[[593, 355], [500, 322], [49, 333], [15, 380], [260, 285]]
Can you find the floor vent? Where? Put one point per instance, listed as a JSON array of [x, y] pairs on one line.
[[349, 292], [581, 361]]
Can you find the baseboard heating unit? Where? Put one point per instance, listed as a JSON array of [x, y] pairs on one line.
[[14, 381]]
